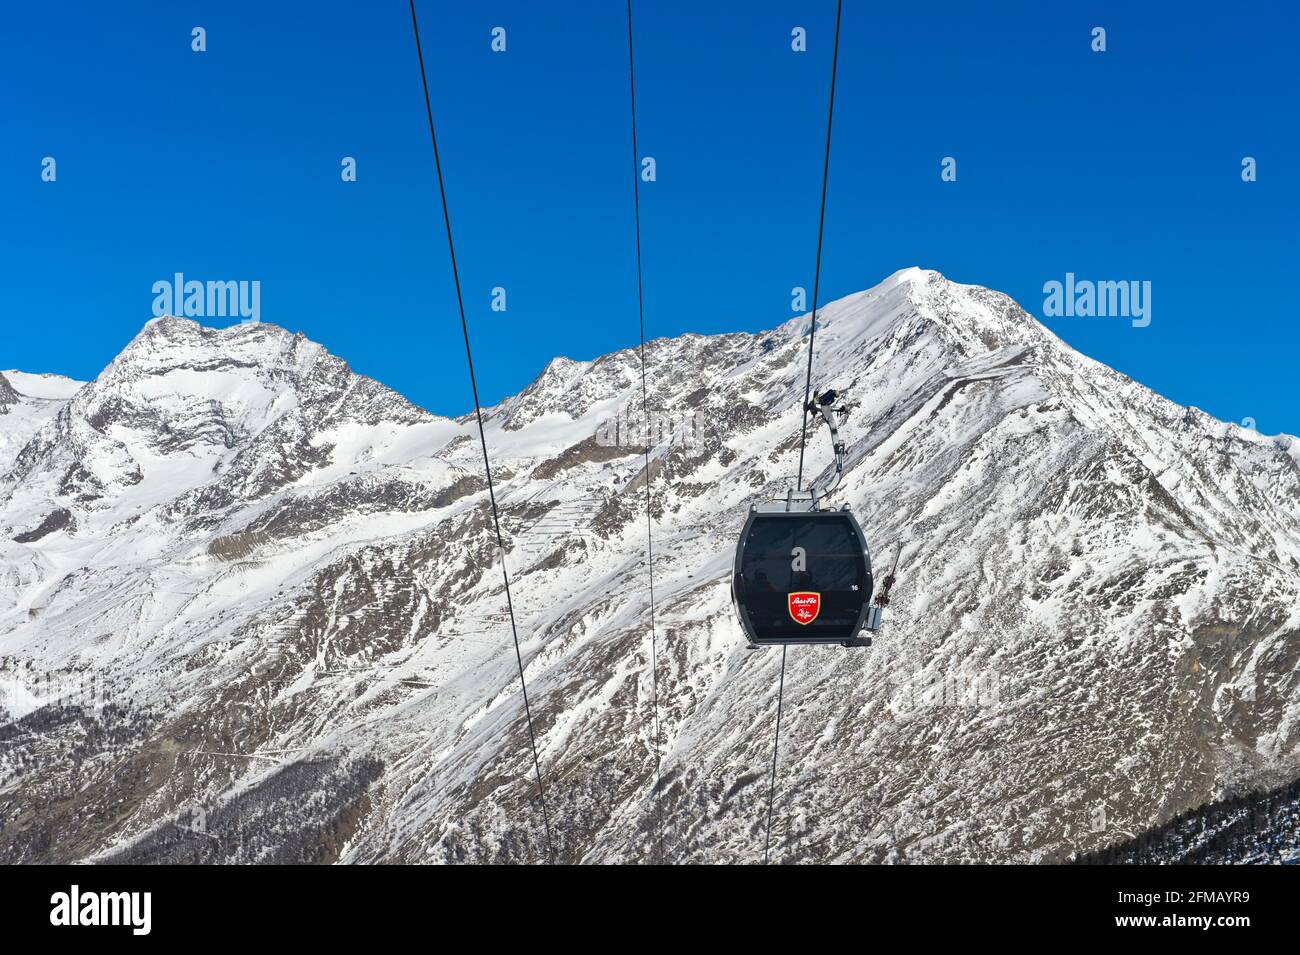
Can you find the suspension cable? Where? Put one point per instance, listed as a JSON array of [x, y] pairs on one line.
[[645, 418], [821, 222], [780, 694], [478, 414], [807, 395]]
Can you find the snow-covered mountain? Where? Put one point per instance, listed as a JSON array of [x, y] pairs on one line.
[[279, 581]]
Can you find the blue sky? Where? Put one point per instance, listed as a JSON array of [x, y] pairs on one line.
[[225, 165]]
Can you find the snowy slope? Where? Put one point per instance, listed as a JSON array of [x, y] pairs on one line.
[[273, 564], [1252, 828], [26, 403]]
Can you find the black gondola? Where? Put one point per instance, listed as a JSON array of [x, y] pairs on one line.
[[802, 572], [802, 577]]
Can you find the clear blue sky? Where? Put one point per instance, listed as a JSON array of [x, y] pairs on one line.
[[225, 165]]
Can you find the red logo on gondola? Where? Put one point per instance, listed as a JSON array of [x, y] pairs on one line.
[[804, 607]]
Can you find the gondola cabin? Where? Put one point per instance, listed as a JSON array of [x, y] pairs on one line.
[[802, 577]]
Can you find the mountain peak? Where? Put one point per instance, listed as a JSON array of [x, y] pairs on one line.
[[185, 353], [43, 387], [915, 301], [173, 329], [912, 274], [252, 404]]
